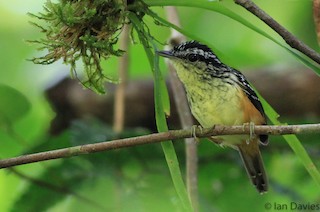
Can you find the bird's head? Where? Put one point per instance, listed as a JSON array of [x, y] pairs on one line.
[[191, 56]]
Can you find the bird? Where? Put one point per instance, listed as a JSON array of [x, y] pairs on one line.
[[221, 95]]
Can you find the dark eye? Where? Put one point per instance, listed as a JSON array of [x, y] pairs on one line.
[[192, 57]]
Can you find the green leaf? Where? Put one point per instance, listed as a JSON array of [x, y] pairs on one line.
[[167, 146], [13, 104], [165, 97]]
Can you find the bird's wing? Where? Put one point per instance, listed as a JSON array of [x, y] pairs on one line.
[[252, 96]]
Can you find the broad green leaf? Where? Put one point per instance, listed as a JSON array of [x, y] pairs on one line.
[[13, 104]]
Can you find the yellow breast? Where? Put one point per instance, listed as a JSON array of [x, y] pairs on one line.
[[215, 102]]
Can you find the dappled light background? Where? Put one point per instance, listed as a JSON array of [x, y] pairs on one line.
[[137, 179]]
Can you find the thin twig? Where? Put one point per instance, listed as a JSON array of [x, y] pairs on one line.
[[158, 137], [185, 117], [285, 34], [119, 103]]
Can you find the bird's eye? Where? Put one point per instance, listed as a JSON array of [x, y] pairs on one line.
[[192, 57]]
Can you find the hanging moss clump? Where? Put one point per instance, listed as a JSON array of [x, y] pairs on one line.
[[85, 30]]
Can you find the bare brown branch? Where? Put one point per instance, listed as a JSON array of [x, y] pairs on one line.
[[284, 33], [155, 138]]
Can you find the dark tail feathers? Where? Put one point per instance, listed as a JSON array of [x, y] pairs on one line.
[[251, 157]]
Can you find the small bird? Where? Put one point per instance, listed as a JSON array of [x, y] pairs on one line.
[[219, 94]]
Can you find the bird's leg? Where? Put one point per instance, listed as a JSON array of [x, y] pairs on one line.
[[251, 131], [215, 140], [193, 132]]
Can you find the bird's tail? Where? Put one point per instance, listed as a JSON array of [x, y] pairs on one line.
[[252, 160]]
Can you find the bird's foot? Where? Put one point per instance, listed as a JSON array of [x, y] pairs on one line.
[[251, 131], [193, 132]]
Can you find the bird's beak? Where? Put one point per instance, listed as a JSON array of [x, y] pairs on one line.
[[167, 54]]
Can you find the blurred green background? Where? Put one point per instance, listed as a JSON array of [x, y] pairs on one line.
[[137, 179]]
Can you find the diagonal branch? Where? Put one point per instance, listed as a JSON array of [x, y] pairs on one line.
[[158, 137], [284, 33]]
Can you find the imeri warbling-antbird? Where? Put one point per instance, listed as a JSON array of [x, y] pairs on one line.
[[219, 94]]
